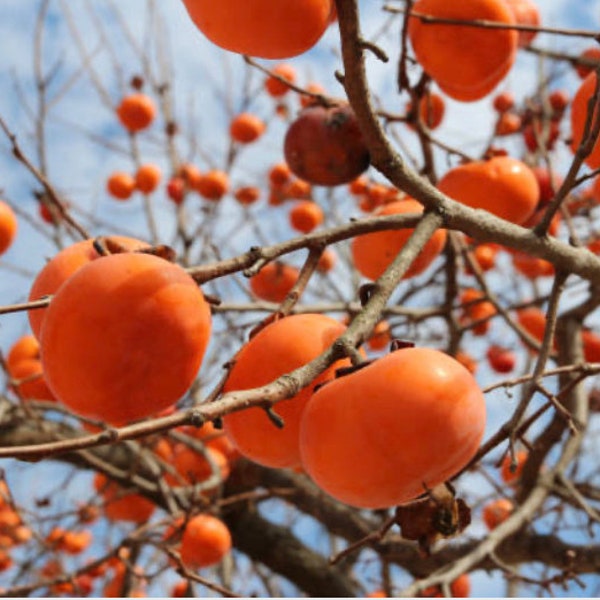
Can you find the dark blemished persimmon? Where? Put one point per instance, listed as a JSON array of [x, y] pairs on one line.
[[205, 541], [373, 252], [123, 338], [61, 266], [263, 28], [579, 111], [8, 226], [281, 347], [325, 146], [274, 281], [447, 51], [377, 437], [502, 185]]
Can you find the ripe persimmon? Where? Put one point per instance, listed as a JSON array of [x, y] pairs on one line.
[[136, 111], [124, 337], [579, 110], [278, 348], [373, 252], [502, 185], [526, 12], [325, 145], [326, 261], [377, 437], [509, 474], [247, 194], [147, 177], [466, 62], [476, 310], [279, 174], [274, 281], [213, 184], [591, 54], [122, 504], [205, 542], [61, 266], [380, 337], [309, 98], [274, 86], [29, 380], [533, 320], [305, 215], [8, 226], [195, 467], [431, 110], [246, 128], [120, 185], [27, 346], [263, 28], [496, 512], [501, 359]]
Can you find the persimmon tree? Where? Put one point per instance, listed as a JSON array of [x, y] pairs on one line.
[[301, 299]]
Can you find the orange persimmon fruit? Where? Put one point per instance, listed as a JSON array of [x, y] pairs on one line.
[[502, 185], [206, 540], [61, 266], [274, 281], [373, 252], [278, 348], [263, 28], [466, 62], [377, 437], [8, 226], [123, 338], [136, 111]]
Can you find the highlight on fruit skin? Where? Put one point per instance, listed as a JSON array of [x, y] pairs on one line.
[[381, 435], [124, 337]]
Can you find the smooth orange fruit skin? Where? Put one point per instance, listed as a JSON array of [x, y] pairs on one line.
[[496, 512], [124, 337], [121, 504], [8, 226], [274, 281], [578, 118], [206, 541], [26, 347], [376, 437], [147, 178], [305, 216], [136, 112], [62, 266], [509, 476], [373, 252], [525, 12], [279, 348], [502, 185], [263, 28], [34, 385], [466, 62]]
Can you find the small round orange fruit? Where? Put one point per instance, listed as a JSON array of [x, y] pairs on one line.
[[136, 111], [205, 542], [8, 226], [263, 28]]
